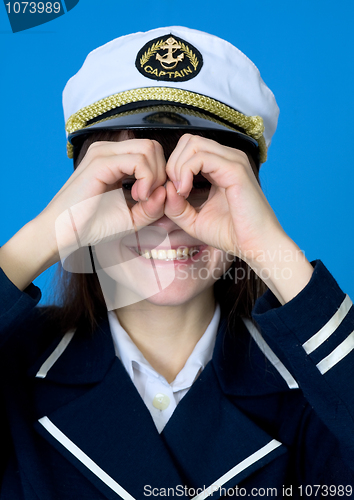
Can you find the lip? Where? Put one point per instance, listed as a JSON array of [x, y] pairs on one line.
[[170, 247], [150, 238]]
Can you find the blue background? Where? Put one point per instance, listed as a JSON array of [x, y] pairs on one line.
[[304, 51]]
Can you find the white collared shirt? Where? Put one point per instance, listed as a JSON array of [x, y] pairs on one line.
[[160, 397]]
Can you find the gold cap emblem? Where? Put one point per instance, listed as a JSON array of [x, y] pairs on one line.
[[169, 59]]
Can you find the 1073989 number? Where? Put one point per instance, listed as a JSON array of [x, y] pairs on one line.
[[33, 7], [325, 491]]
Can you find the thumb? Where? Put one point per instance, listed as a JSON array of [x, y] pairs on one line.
[[146, 212], [179, 210]]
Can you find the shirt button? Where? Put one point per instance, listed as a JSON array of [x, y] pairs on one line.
[[161, 401]]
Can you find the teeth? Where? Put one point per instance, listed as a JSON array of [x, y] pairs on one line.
[[146, 254], [172, 254]]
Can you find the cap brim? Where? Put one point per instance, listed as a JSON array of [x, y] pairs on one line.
[[167, 118]]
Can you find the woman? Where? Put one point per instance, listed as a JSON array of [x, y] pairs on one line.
[[152, 380]]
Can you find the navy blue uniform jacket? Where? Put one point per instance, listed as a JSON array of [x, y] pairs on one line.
[[273, 409]]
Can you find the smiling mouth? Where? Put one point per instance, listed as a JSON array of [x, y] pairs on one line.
[[182, 253]]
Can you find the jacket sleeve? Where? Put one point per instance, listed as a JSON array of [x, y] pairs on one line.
[[313, 335], [15, 306], [16, 310]]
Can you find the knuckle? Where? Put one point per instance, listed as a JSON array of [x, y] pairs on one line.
[[157, 145], [239, 170], [143, 167], [92, 149], [95, 149], [97, 145], [195, 140], [148, 146], [93, 145], [184, 139], [140, 160], [150, 175], [97, 162], [243, 154], [101, 163], [201, 156]]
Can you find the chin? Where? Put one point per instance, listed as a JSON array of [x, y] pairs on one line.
[[163, 299], [178, 294], [168, 283]]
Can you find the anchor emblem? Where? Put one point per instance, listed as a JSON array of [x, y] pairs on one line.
[[167, 60], [158, 59]]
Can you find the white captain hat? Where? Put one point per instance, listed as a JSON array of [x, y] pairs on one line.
[[172, 77]]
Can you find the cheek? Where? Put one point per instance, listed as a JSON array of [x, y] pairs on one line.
[[209, 267], [108, 254], [223, 265]]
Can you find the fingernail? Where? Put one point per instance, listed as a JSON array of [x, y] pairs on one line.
[[177, 186]]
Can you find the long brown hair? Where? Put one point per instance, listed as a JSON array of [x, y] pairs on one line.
[[79, 296]]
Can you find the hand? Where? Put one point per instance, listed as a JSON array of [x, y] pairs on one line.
[[89, 203], [35, 247], [236, 218]]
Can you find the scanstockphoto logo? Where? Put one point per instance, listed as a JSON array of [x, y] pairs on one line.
[[25, 15]]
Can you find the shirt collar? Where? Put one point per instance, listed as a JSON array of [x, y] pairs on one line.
[[132, 358]]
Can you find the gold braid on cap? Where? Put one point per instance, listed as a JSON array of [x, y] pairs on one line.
[[252, 125]]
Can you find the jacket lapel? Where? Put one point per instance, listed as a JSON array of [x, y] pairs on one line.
[[90, 411], [77, 357], [214, 443], [109, 436]]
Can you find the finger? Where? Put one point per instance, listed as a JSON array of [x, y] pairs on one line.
[[189, 145], [155, 160], [103, 173], [146, 212], [158, 166], [136, 165], [171, 169], [170, 166], [179, 210], [95, 150], [219, 171], [146, 147], [152, 150]]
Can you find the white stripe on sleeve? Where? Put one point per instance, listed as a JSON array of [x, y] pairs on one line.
[[329, 328], [270, 355], [337, 354]]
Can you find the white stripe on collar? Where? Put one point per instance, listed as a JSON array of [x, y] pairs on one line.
[[53, 358], [247, 462], [269, 354], [83, 458], [117, 488]]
